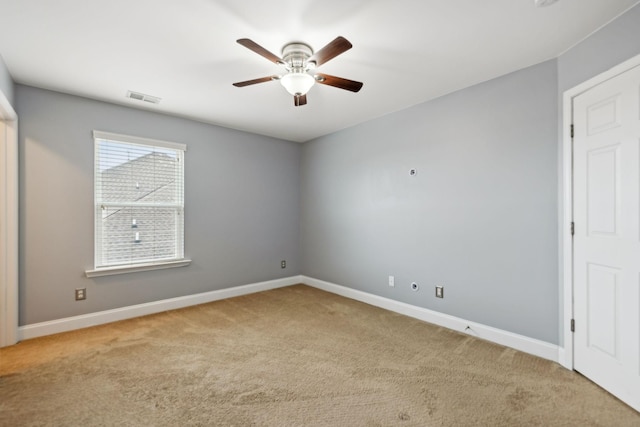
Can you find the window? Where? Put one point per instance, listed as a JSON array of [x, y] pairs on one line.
[[139, 204]]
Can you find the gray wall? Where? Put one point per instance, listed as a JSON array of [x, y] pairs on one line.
[[6, 82], [480, 217], [241, 211], [611, 45]]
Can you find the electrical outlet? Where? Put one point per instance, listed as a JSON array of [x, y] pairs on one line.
[[81, 293], [392, 281], [439, 291], [283, 264]]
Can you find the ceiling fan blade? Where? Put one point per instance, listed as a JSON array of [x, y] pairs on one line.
[[250, 44], [254, 81], [338, 82], [330, 51], [299, 100]]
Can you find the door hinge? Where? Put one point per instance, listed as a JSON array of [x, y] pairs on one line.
[[573, 325], [573, 228], [571, 131]]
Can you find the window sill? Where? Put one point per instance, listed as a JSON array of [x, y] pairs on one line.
[[123, 269]]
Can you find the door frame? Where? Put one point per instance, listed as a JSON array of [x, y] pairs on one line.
[[8, 223], [565, 358]]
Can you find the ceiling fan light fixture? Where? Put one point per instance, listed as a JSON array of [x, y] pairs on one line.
[[297, 83]]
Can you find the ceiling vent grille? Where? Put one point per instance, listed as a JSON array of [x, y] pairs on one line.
[[142, 97], [544, 3]]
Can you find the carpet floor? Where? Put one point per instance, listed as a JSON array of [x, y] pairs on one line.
[[295, 356]]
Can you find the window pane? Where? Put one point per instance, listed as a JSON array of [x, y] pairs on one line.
[[139, 203], [137, 235], [130, 173]]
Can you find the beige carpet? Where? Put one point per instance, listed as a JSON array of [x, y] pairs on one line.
[[295, 356]]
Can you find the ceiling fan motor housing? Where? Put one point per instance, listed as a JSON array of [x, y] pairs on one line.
[[296, 55]]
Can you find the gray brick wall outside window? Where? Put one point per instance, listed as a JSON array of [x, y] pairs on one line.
[[137, 234]]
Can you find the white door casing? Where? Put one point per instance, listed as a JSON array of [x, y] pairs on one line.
[[606, 246], [8, 231], [8, 223]]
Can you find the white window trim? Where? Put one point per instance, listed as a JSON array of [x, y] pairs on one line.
[[133, 268], [138, 140], [122, 269]]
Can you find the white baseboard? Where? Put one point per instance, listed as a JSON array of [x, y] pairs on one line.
[[108, 316], [498, 336], [519, 342]]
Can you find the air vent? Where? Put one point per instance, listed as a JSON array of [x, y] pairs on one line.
[[544, 3], [142, 97]]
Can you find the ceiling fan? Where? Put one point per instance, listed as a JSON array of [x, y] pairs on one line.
[[300, 61]]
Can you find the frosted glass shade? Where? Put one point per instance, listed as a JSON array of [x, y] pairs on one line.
[[297, 83]]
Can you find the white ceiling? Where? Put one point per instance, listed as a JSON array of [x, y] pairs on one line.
[[185, 52]]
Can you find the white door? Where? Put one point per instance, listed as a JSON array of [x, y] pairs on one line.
[[607, 235]]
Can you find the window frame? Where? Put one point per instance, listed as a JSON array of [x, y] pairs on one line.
[[111, 269]]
